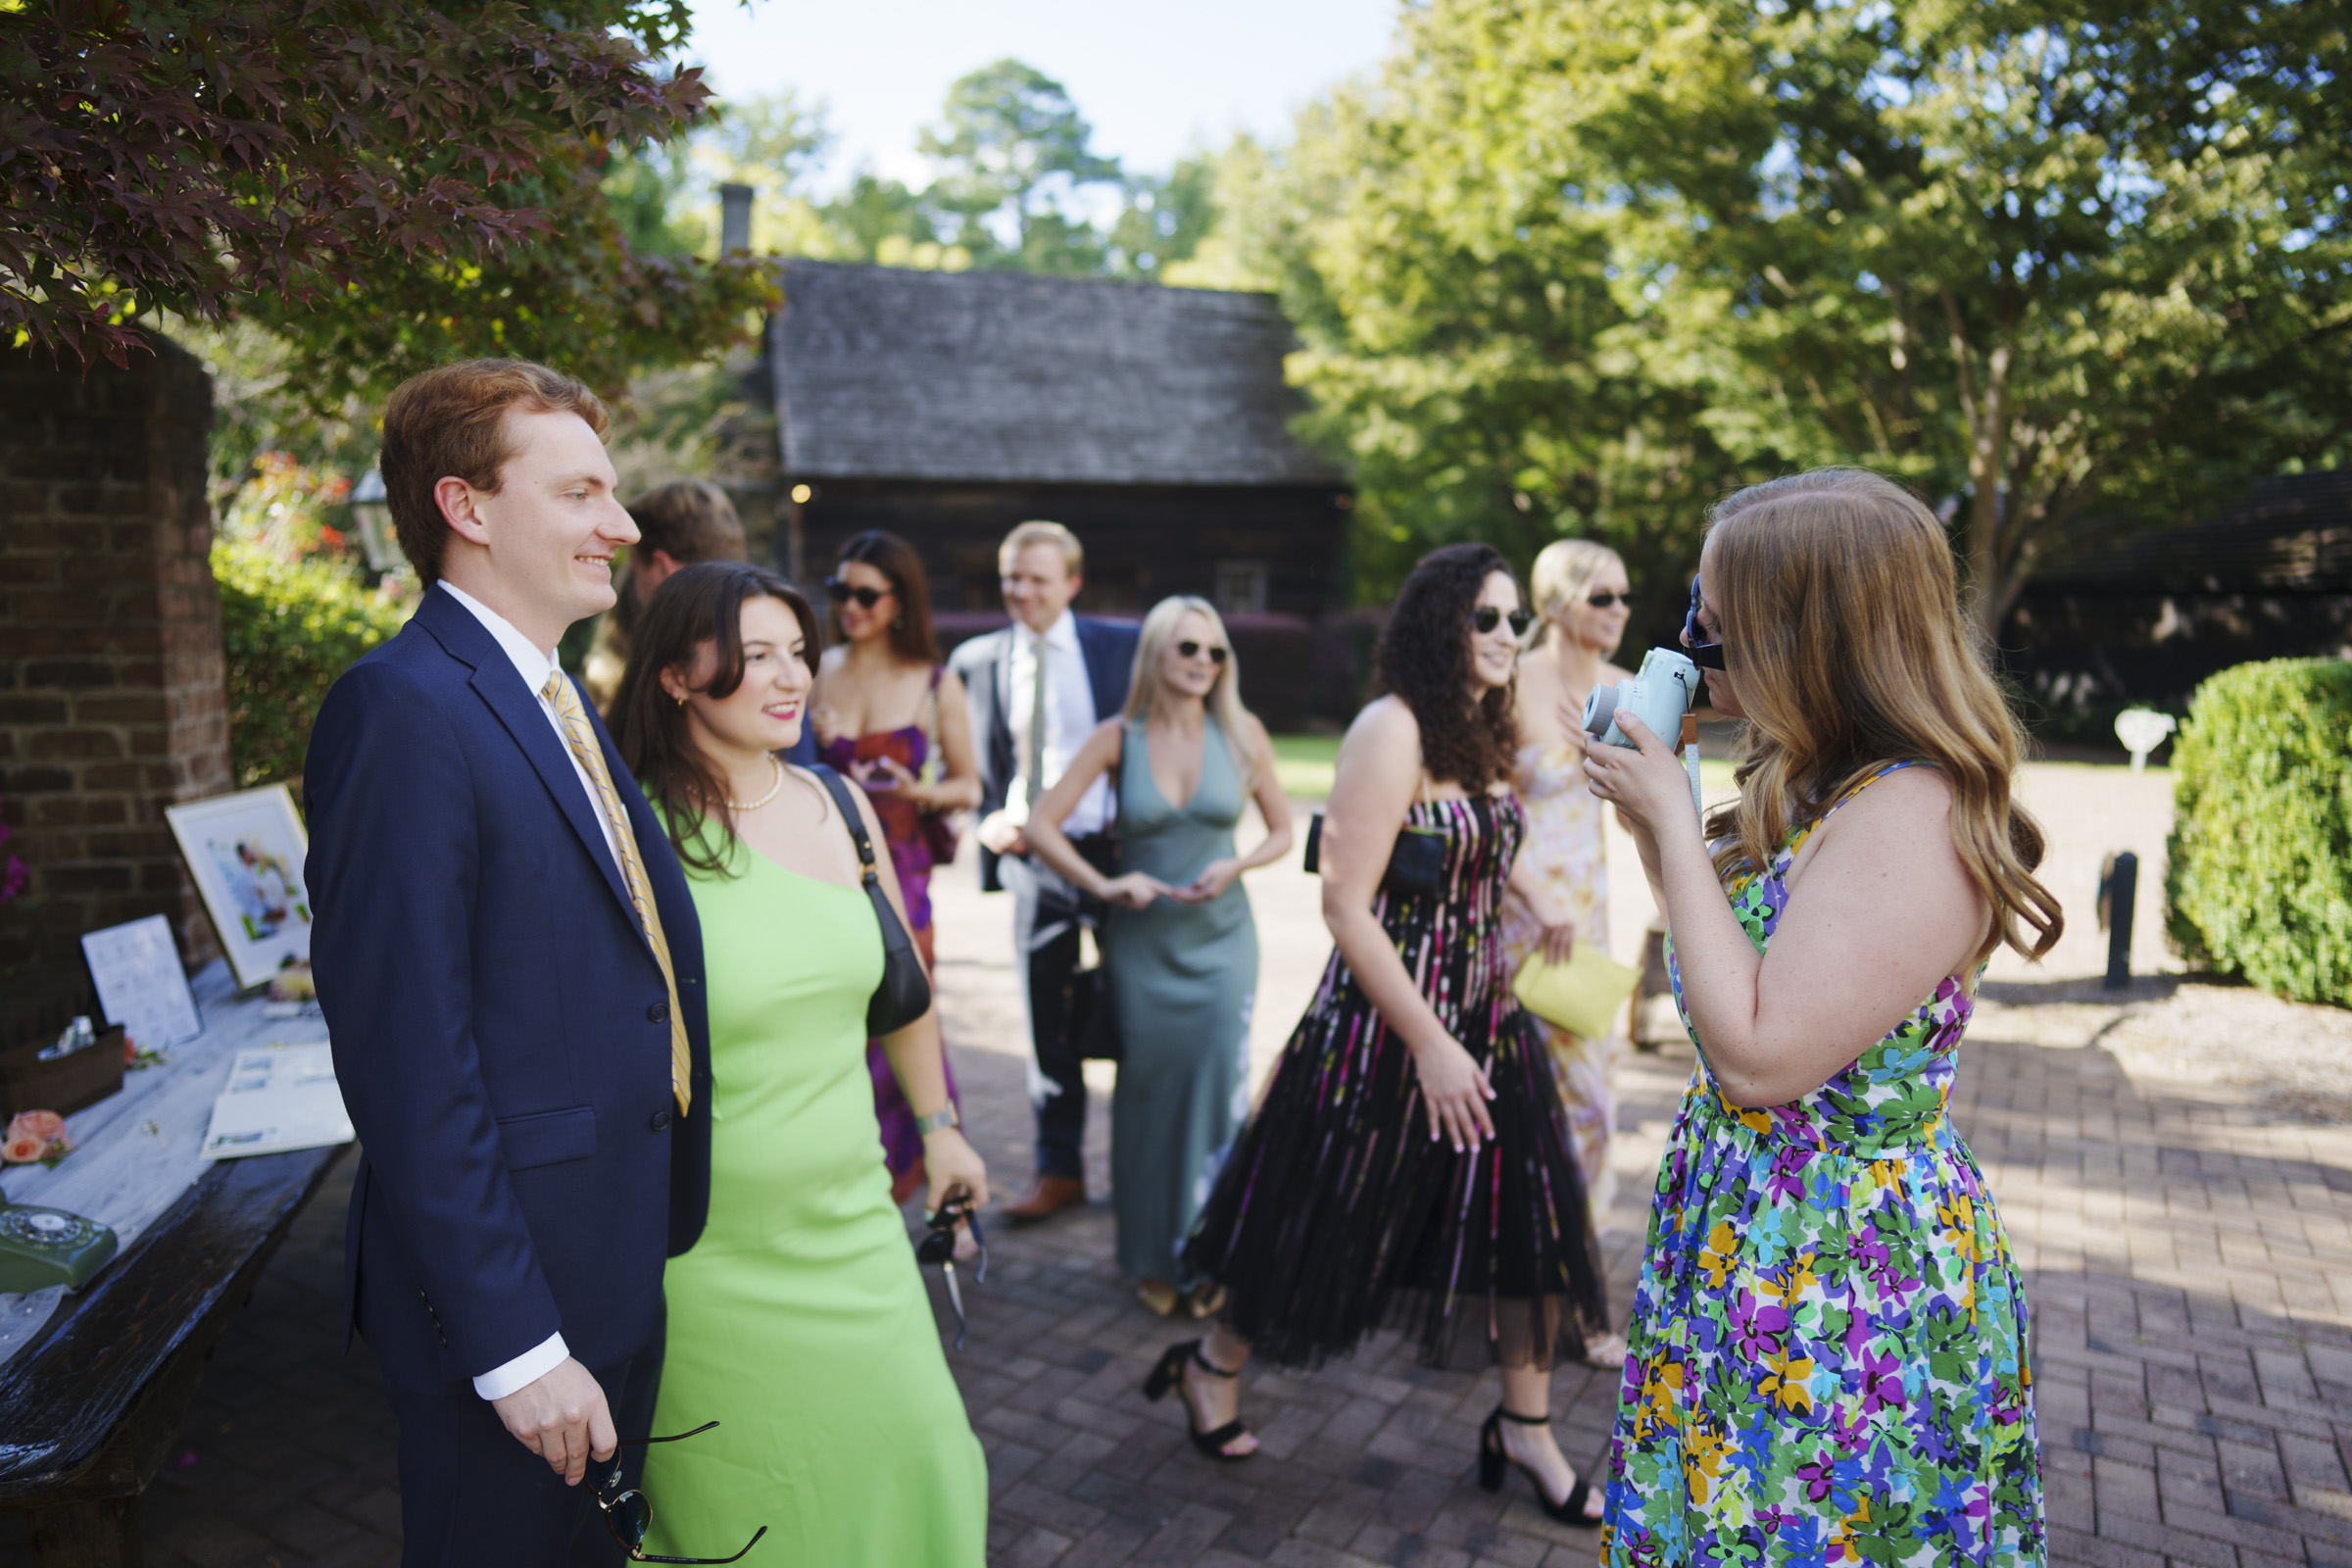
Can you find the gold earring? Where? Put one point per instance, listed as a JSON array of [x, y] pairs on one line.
[[681, 700]]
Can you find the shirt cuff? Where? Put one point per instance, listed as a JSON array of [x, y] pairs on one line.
[[524, 1370]]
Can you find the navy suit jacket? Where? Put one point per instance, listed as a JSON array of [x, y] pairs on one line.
[[500, 1029], [984, 667]]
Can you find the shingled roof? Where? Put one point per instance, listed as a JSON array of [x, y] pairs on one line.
[[883, 373]]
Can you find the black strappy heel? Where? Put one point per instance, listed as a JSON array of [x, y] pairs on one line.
[[1169, 1374], [1494, 1459]]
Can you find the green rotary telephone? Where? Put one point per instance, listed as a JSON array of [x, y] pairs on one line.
[[44, 1246]]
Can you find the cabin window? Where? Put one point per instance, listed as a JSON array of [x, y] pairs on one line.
[[1240, 587]]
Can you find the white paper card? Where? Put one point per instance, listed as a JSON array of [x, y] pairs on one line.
[[279, 1096], [140, 983]]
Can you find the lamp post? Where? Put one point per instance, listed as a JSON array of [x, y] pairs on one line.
[[373, 513]]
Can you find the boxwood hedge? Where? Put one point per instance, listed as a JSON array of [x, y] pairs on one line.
[[287, 629], [2260, 880]]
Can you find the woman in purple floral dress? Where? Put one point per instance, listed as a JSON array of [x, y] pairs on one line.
[[1827, 1349]]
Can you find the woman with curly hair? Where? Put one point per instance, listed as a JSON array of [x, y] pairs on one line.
[[1407, 1166]]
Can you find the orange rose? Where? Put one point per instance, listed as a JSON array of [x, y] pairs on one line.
[[41, 1124], [22, 1149]]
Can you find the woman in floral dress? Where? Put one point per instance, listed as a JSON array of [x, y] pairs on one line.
[[1582, 601], [1828, 1359]]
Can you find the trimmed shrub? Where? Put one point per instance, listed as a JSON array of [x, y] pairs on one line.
[[2260, 881], [288, 629]]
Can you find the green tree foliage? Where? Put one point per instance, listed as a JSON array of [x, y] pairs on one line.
[[385, 186], [1592, 264], [1011, 151], [1017, 186], [2259, 880], [294, 612]]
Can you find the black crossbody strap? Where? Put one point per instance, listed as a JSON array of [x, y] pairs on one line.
[[857, 821]]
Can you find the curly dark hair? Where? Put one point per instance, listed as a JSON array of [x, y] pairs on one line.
[[1423, 659]]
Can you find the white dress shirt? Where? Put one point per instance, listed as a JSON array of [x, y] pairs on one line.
[[533, 666], [1070, 717]]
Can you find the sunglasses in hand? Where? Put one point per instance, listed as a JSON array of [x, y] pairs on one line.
[[629, 1514], [938, 1245]]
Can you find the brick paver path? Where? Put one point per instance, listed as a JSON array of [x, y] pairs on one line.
[[2189, 1261]]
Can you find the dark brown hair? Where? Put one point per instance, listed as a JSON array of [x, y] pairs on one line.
[[698, 605], [690, 518], [450, 423], [1423, 659], [910, 635]]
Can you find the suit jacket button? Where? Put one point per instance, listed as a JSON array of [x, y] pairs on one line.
[[661, 1119], [659, 1012]]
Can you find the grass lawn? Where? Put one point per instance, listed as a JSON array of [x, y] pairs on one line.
[[1303, 764]]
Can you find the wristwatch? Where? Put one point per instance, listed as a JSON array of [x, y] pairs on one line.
[[924, 1126]]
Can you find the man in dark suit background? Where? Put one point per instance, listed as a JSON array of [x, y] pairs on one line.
[[511, 970], [1074, 671]]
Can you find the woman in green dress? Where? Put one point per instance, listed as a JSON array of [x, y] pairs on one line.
[[1180, 947], [798, 1321]]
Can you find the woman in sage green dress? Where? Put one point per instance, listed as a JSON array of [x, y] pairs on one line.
[[799, 1321], [1180, 947]]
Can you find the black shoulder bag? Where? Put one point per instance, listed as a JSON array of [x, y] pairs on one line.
[[904, 994], [1416, 865]]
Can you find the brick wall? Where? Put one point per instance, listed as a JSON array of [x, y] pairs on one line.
[[110, 698]]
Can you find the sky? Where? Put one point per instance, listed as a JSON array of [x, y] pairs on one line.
[[1154, 79]]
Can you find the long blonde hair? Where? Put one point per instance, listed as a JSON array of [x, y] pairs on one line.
[[1564, 573], [1224, 700], [1840, 614]]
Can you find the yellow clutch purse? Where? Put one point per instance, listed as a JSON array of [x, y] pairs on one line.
[[1581, 996]]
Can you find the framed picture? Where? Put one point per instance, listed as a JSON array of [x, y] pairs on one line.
[[246, 852]]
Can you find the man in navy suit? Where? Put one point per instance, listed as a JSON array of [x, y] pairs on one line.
[[512, 974], [1074, 671]]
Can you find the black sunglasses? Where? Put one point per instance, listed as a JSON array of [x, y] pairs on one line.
[[1609, 601], [629, 1514], [938, 1245], [841, 593], [1705, 655], [1188, 649], [1485, 618]]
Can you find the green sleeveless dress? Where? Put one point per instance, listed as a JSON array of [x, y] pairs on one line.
[[1182, 977], [799, 1320]]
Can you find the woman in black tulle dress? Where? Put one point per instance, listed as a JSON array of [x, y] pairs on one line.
[[1407, 1166]]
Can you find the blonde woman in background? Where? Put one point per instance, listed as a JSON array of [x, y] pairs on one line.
[[1180, 947], [1580, 602]]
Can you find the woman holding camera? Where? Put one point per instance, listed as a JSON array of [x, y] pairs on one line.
[[1407, 1166], [1827, 1345]]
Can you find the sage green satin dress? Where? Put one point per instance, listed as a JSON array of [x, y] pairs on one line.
[[799, 1320], [1182, 977]]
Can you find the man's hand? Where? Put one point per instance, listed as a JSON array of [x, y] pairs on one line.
[[563, 1419], [1000, 834]]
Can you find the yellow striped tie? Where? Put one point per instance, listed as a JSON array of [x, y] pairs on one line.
[[566, 703]]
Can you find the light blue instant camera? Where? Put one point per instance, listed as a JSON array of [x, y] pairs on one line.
[[1659, 696]]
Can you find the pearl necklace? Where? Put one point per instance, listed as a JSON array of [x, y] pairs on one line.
[[754, 806]]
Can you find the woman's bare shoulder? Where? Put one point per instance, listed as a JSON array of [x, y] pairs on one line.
[[1385, 718]]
